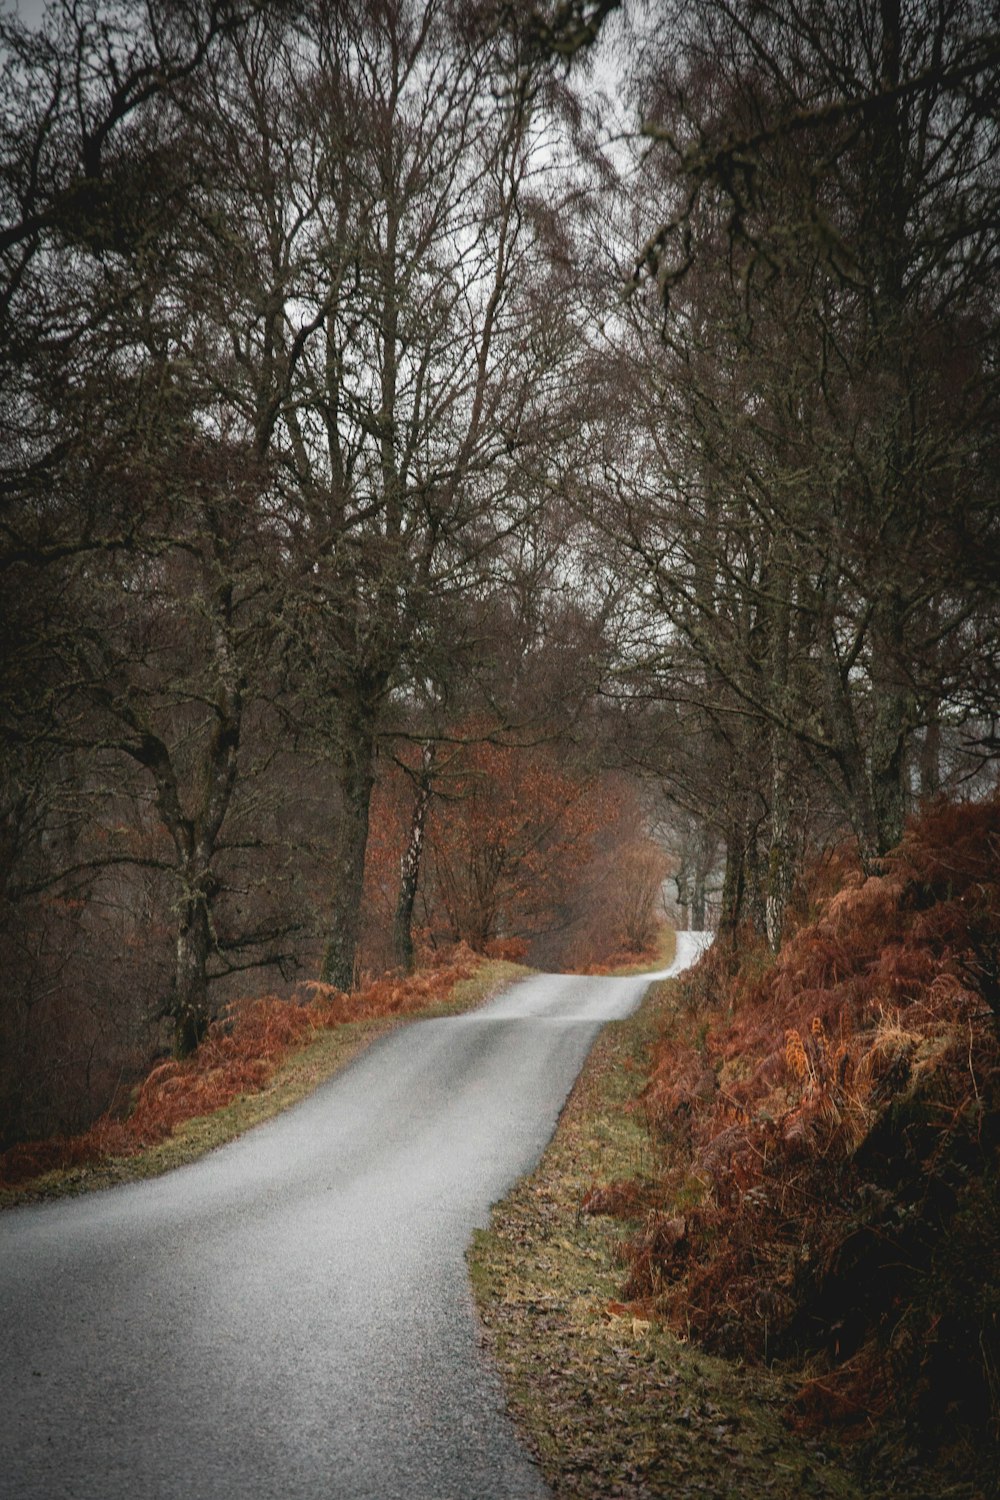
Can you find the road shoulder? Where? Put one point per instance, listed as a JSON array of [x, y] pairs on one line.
[[306, 1066], [612, 1405]]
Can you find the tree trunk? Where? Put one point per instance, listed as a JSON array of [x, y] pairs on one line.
[[356, 778], [780, 872], [189, 1006], [929, 765], [409, 870], [868, 759], [698, 917], [888, 790], [891, 727], [733, 885], [196, 841], [892, 701], [734, 882], [683, 900], [781, 857]]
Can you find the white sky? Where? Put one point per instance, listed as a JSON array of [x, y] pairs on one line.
[[30, 11]]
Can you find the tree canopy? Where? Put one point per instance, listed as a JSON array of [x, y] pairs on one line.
[[622, 383]]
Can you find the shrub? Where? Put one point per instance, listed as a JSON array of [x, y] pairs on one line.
[[240, 1055]]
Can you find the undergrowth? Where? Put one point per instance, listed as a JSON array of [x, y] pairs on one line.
[[243, 1052], [615, 1406], [657, 952], [827, 1131]]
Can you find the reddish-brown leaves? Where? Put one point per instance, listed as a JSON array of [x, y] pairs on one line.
[[240, 1055], [520, 848], [827, 1132]]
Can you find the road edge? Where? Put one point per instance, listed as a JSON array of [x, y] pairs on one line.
[[611, 1406]]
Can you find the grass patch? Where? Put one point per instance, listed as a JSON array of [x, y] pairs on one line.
[[613, 1405], [300, 1071], [492, 976]]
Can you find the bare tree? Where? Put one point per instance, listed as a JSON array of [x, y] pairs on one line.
[[809, 350], [384, 185], [128, 501]]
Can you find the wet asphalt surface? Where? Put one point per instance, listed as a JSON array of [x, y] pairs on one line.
[[291, 1316]]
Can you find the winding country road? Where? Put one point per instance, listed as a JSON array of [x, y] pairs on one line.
[[290, 1317]]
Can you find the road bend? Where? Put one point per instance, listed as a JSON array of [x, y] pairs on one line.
[[290, 1317]]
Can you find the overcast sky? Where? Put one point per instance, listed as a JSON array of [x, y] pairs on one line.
[[30, 11]]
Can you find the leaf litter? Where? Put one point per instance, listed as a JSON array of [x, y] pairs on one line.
[[615, 1406]]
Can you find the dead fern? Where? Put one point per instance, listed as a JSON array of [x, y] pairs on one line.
[[838, 1105], [239, 1056]]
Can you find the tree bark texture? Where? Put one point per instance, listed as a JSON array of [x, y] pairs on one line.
[[356, 779], [190, 999], [409, 872]]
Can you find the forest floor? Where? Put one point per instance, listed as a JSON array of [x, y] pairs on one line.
[[613, 1405]]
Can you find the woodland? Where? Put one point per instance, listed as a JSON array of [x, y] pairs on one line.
[[467, 467]]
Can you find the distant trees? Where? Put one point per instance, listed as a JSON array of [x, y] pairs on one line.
[[524, 850], [507, 827]]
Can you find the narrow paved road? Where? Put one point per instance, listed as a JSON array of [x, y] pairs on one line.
[[290, 1317]]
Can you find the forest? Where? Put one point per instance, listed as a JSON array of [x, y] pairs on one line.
[[464, 463], [480, 477]]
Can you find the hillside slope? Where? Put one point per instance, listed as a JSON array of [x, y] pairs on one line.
[[825, 1189]]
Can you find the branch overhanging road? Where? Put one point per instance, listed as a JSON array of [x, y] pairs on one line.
[[290, 1318]]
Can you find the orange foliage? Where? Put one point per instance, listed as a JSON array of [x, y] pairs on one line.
[[507, 834], [522, 853], [240, 1055], [831, 1137]]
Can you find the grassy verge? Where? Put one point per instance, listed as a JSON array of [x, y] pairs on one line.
[[307, 1066], [613, 1405]]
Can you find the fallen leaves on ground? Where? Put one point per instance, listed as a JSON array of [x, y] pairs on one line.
[[616, 1407]]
